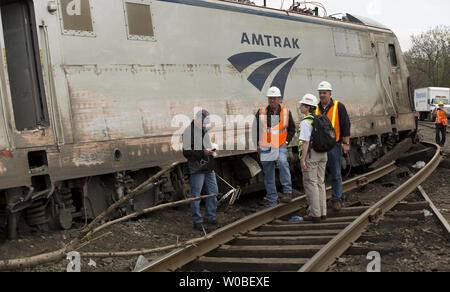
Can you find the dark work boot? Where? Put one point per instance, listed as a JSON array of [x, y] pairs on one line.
[[211, 225], [337, 206], [200, 227], [285, 198], [312, 219]]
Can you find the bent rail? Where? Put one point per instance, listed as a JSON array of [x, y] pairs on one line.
[[336, 247]]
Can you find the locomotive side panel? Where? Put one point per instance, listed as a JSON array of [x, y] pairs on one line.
[[138, 94]]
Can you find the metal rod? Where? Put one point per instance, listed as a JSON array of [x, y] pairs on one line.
[[435, 210]]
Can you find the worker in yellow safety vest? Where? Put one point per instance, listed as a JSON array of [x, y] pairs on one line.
[[337, 114]]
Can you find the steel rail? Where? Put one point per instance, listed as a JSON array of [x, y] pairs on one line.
[[182, 256], [336, 247], [435, 210]]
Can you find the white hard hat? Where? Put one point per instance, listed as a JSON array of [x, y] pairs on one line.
[[274, 92], [310, 99], [325, 86]]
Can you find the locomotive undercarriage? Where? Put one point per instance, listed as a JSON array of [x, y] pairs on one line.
[[51, 205]]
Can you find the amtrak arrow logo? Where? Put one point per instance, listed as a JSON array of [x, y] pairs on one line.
[[259, 77]]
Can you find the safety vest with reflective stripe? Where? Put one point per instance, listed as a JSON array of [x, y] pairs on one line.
[[276, 136], [333, 116], [310, 119], [441, 118]]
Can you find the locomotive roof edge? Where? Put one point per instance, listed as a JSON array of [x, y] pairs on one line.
[[354, 21]]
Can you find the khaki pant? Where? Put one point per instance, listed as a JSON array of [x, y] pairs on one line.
[[314, 183]]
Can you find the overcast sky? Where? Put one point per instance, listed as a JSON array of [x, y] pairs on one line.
[[404, 17]]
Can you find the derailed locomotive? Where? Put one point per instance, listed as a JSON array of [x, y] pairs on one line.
[[90, 92]]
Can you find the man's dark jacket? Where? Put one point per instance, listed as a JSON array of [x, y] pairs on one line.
[[195, 141]]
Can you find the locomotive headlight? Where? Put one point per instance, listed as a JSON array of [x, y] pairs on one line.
[[52, 7]]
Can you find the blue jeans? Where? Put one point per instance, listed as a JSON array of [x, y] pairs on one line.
[[269, 174], [441, 130], [334, 165], [196, 181]]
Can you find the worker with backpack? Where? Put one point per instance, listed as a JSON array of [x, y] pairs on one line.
[[317, 137]]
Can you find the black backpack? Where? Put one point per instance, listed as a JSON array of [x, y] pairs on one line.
[[323, 136]]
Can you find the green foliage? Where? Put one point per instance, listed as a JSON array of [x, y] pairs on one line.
[[429, 58]]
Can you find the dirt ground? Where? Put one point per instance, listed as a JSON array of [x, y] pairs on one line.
[[156, 230], [407, 244], [425, 247], [438, 186]]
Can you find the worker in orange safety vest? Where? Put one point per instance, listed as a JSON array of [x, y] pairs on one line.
[[441, 124], [275, 128]]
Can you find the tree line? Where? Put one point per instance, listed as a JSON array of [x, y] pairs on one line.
[[428, 59]]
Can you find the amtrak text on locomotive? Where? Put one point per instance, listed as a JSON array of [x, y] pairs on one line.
[[269, 41]]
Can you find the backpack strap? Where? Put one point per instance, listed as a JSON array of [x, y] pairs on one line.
[[310, 118]]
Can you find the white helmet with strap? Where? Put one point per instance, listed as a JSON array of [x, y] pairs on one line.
[[310, 99]]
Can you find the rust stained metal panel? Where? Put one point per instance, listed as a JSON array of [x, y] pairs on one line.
[[120, 111], [35, 138], [146, 109], [14, 171], [406, 122], [370, 126], [95, 158]]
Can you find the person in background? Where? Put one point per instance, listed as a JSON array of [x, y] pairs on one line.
[[441, 124]]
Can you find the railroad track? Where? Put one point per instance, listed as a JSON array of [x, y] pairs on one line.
[[431, 125], [381, 240], [264, 242]]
